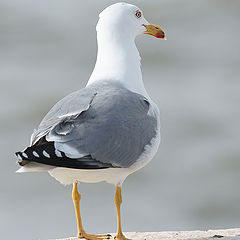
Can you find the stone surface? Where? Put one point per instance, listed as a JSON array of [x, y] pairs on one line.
[[227, 234]]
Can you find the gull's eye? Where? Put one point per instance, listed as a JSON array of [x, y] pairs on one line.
[[138, 14]]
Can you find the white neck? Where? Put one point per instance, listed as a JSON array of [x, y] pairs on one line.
[[118, 60]]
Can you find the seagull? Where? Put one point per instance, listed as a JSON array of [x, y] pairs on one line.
[[110, 128]]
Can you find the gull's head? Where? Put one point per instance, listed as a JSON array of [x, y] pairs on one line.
[[125, 20]]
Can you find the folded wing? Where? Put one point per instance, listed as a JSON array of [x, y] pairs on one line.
[[97, 127]]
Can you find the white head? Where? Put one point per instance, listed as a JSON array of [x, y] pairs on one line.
[[118, 58], [126, 20]]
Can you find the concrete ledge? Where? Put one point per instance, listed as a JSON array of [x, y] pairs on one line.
[[229, 234]]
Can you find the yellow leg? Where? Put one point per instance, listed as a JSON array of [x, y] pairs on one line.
[[118, 202], [76, 196]]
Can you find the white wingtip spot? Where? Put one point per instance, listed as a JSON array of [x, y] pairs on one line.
[[35, 154], [19, 156], [58, 153], [25, 155], [46, 154]]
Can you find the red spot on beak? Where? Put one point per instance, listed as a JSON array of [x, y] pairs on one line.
[[160, 34]]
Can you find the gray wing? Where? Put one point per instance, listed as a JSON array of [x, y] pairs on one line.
[[67, 108], [113, 126]]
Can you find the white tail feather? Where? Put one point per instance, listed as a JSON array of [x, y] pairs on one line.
[[34, 167]]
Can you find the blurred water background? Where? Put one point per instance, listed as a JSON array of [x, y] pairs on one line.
[[48, 49]]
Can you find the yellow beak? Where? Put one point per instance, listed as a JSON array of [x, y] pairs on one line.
[[155, 31]]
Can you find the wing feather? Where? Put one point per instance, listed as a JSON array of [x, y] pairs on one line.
[[96, 127]]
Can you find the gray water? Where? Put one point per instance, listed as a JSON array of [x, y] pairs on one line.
[[48, 49]]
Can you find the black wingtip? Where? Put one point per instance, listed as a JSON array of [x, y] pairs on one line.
[[44, 152], [19, 156], [21, 161]]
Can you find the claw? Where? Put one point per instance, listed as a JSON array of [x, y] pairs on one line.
[[93, 236]]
